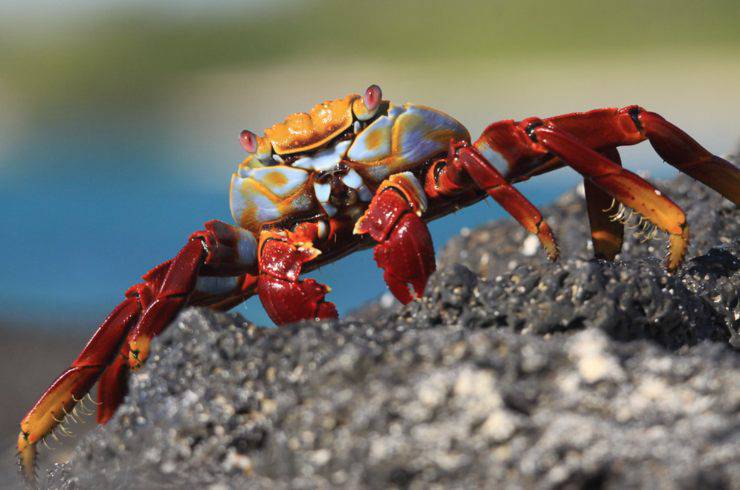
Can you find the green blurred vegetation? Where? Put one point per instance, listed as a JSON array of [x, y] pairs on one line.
[[130, 57]]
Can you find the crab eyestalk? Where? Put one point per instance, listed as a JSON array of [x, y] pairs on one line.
[[259, 149], [366, 106], [248, 140]]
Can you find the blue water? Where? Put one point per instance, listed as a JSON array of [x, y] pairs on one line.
[[83, 220]]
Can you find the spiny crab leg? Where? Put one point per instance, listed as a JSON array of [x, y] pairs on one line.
[[148, 308], [625, 186], [466, 166], [683, 152], [603, 130], [606, 234], [608, 128], [631, 190], [74, 383]]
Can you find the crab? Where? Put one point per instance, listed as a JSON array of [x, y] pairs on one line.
[[359, 172]]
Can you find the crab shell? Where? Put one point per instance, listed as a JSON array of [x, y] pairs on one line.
[[264, 190]]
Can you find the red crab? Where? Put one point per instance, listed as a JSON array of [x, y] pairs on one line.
[[360, 172]]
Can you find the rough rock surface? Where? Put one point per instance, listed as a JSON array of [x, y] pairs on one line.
[[519, 373]]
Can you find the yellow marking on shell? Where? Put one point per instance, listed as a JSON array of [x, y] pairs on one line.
[[374, 139], [305, 131], [407, 137], [268, 196], [275, 178]]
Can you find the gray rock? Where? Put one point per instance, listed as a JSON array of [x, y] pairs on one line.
[[511, 372]]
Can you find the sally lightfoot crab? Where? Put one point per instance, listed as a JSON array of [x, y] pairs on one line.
[[360, 172]]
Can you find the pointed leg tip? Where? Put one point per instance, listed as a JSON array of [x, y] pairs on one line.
[[552, 250], [678, 244], [27, 459], [549, 243], [420, 285]]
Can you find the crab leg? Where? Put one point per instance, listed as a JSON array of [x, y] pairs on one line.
[[618, 182], [603, 128], [146, 311], [606, 233], [404, 247], [221, 250], [74, 383], [465, 163], [113, 385], [287, 299]]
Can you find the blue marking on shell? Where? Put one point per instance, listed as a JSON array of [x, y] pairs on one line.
[[374, 143], [325, 159], [330, 210], [396, 110], [322, 191], [352, 179], [405, 138], [426, 133], [280, 179], [266, 194]]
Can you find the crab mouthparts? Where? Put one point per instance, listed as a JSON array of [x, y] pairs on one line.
[[324, 160]]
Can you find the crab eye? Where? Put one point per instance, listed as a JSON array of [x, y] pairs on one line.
[[248, 141], [373, 96], [367, 106]]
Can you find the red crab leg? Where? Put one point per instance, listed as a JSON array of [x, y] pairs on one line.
[[465, 163], [287, 299], [630, 125], [221, 250], [607, 234], [625, 186], [61, 397], [537, 140], [404, 250], [113, 385], [147, 309]]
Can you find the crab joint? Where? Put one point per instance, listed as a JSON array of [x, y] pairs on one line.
[[138, 351]]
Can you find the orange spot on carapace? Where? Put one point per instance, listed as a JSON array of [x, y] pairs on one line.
[[373, 139], [276, 179], [248, 218]]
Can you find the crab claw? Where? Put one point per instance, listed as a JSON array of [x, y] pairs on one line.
[[286, 298], [404, 251], [406, 257]]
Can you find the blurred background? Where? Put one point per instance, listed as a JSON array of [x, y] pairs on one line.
[[119, 122]]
